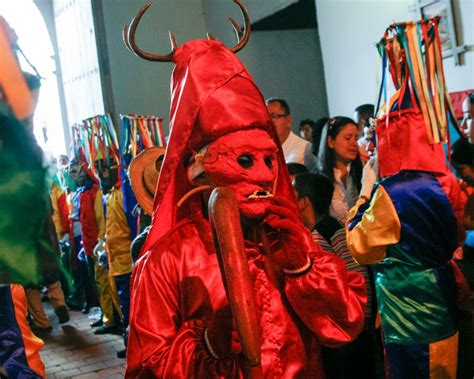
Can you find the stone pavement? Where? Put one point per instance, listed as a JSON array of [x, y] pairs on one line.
[[72, 350]]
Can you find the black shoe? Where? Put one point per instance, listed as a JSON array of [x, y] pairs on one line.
[[107, 329], [85, 310], [97, 323], [122, 354], [62, 313]]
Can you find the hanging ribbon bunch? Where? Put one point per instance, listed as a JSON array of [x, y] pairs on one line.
[[96, 139], [412, 56], [141, 132]]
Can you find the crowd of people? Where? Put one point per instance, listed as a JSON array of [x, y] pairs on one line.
[[358, 254]]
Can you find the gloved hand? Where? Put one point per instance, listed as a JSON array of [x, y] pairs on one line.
[[290, 241], [100, 246], [221, 338], [65, 238], [370, 175], [103, 259]]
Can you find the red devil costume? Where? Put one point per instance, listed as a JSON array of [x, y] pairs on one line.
[[221, 131]]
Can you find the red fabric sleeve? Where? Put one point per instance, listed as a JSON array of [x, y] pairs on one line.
[[329, 300], [458, 200], [462, 286], [160, 344]]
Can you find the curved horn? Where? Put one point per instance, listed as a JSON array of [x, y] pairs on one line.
[[129, 40], [246, 35], [125, 38], [237, 28], [211, 37]]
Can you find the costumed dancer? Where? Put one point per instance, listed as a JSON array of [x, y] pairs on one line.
[[222, 135], [84, 291], [92, 218], [406, 226], [60, 209], [120, 225], [143, 135], [22, 216], [144, 171], [62, 224]]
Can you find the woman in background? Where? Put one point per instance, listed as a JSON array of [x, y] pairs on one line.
[[338, 158]]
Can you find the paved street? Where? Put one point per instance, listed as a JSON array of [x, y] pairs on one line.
[[73, 351]]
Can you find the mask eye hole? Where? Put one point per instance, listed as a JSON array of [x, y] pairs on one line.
[[245, 160], [269, 161]]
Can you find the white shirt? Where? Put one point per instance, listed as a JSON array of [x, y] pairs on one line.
[[344, 197], [298, 150]]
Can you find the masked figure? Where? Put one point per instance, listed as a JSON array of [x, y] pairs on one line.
[[222, 135], [118, 236], [406, 225], [92, 218]]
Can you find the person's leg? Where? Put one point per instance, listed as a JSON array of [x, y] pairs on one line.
[[76, 297], [66, 275], [122, 283], [123, 289], [418, 361], [91, 275], [36, 308], [56, 294], [57, 301], [115, 296], [105, 294], [117, 308], [19, 347], [89, 284]]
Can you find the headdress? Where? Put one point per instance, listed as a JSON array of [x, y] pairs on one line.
[[139, 133], [413, 124], [95, 139], [143, 143], [212, 94]]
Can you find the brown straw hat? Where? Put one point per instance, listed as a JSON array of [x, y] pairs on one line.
[[144, 176]]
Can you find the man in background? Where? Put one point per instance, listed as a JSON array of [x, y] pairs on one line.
[[295, 149]]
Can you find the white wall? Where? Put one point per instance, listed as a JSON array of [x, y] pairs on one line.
[[288, 64], [283, 63], [349, 30], [216, 12], [140, 86]]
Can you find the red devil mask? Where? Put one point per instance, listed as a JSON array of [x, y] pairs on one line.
[[215, 102], [245, 161]]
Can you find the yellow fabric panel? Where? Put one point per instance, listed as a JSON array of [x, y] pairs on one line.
[[118, 235], [115, 296], [99, 215], [32, 343], [379, 227], [56, 193], [106, 293], [444, 358]]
